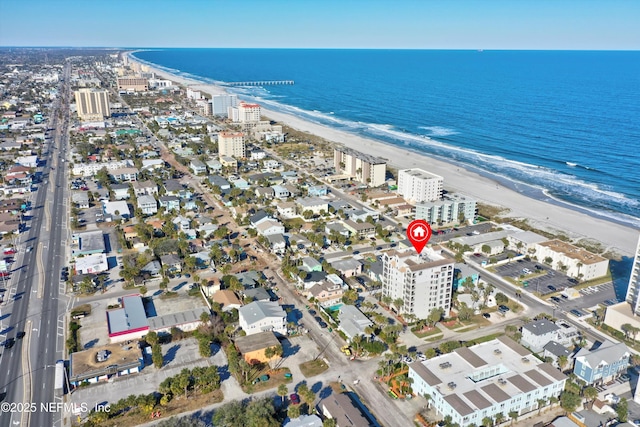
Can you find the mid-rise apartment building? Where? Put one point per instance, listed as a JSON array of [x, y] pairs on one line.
[[417, 185], [362, 167], [633, 290], [92, 104], [423, 282], [572, 260], [133, 84], [452, 208], [475, 384], [231, 144]]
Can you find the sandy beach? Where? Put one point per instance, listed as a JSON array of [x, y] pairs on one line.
[[543, 215]]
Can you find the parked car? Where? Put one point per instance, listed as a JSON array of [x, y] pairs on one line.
[[576, 313], [295, 400], [486, 315]]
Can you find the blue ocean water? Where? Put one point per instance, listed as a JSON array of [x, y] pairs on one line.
[[553, 124]]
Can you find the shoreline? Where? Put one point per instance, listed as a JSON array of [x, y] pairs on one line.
[[548, 213]]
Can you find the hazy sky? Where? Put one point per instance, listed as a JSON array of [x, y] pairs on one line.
[[428, 24]]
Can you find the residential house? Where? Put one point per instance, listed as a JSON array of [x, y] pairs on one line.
[[220, 182], [602, 363], [256, 294], [341, 408], [317, 190], [363, 214], [266, 192], [270, 227], [120, 191], [277, 243], [141, 188], [286, 209], [336, 227], [116, 210], [153, 268], [259, 217], [361, 229], [147, 204], [310, 264], [253, 347], [81, 199], [171, 262], [280, 192], [261, 316], [326, 293], [554, 350], [173, 187], [227, 299], [348, 267], [352, 321], [537, 333], [170, 203], [311, 279], [198, 167], [314, 204]]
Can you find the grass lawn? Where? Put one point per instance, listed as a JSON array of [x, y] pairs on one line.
[[486, 338], [81, 309], [313, 368], [276, 377], [427, 332], [177, 406]]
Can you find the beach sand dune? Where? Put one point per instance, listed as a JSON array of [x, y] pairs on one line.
[[543, 215]]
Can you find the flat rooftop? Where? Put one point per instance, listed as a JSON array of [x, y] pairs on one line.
[[84, 364], [362, 156], [420, 173], [176, 319], [574, 252]]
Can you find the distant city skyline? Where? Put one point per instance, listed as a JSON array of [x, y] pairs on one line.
[[404, 24]]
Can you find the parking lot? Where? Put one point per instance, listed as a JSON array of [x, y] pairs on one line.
[[535, 277]]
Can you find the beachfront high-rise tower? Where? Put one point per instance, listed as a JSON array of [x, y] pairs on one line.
[[633, 291], [423, 282], [92, 104], [417, 185]]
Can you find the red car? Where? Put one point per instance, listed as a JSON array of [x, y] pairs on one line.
[[295, 400], [9, 251]]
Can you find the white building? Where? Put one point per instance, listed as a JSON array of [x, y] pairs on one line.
[[362, 167], [147, 204], [579, 262], [248, 113], [424, 282], [231, 144], [452, 208], [525, 241], [92, 104], [633, 290], [417, 185], [261, 316], [478, 382], [537, 334], [90, 169], [91, 264], [220, 104], [313, 204]]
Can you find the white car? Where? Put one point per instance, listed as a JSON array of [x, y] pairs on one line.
[[29, 248]]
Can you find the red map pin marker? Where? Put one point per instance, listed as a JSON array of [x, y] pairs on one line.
[[419, 233]]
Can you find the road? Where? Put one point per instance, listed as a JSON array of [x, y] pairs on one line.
[[35, 303]]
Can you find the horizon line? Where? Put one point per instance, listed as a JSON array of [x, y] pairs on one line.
[[328, 48]]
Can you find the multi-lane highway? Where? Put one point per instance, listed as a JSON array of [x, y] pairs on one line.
[[33, 301]]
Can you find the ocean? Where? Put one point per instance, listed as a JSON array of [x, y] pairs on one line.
[[562, 126]]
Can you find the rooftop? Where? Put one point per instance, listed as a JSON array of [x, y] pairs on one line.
[[129, 318], [541, 327], [176, 319], [574, 252], [257, 341], [362, 156], [84, 364]]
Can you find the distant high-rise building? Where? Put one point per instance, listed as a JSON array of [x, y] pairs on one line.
[[364, 168], [92, 104], [417, 185], [633, 291], [133, 84], [422, 282], [220, 104], [245, 113], [452, 208], [231, 144]]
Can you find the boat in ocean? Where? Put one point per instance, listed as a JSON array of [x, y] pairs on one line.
[[573, 165]]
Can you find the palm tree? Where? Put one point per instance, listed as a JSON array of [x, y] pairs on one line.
[[541, 403], [562, 362], [499, 418], [282, 391], [514, 416], [487, 421]]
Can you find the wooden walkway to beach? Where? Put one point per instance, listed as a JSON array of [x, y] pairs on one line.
[[261, 83]]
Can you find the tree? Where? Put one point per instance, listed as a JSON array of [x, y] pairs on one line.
[[350, 296], [501, 298], [622, 409], [156, 356], [434, 316], [499, 418], [487, 421], [282, 391], [590, 393], [514, 416], [229, 415], [465, 313], [329, 422], [569, 401], [562, 362], [541, 403], [293, 411], [151, 338]]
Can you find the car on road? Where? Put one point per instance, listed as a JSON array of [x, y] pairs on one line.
[[29, 248], [20, 335], [576, 313], [9, 343], [295, 400], [312, 312], [322, 324]]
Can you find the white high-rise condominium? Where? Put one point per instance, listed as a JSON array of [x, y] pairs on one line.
[[92, 104], [633, 291], [231, 144], [220, 104], [364, 168], [417, 185], [423, 282]]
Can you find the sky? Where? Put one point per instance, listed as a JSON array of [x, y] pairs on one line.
[[388, 24]]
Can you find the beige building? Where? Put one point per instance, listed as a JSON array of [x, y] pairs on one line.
[[417, 185], [423, 282], [231, 144], [362, 167], [633, 290], [579, 262], [92, 104], [135, 84]]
